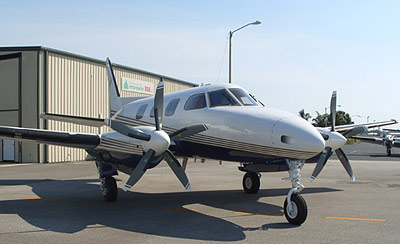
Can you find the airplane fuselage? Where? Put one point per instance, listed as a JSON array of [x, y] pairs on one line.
[[239, 128]]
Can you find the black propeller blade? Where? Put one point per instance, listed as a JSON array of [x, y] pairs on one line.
[[128, 131], [333, 111], [177, 169], [159, 105], [187, 131], [321, 162], [345, 162], [138, 172]]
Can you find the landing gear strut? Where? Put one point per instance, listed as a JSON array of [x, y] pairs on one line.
[[251, 182], [109, 188], [295, 207]]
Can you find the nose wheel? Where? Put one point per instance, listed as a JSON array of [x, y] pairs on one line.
[[251, 182], [296, 211]]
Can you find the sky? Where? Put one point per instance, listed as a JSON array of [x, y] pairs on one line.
[[299, 54]]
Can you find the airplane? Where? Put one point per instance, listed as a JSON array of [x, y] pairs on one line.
[[221, 122], [389, 139]]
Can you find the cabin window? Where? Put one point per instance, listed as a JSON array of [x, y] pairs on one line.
[[243, 97], [141, 111], [222, 98], [197, 101], [171, 107]]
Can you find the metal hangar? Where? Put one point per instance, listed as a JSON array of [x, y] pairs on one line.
[[38, 79]]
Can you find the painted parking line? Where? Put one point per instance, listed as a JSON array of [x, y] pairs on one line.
[[169, 208], [12, 165], [268, 214], [362, 219], [39, 198]]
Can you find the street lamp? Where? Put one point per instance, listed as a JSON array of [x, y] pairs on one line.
[[230, 46]]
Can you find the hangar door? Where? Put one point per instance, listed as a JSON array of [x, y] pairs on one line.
[[9, 102]]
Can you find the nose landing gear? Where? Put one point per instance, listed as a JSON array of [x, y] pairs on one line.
[[295, 206]]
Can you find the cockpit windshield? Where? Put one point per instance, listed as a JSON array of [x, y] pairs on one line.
[[243, 97], [222, 98]]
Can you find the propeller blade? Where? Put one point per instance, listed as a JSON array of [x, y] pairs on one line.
[[345, 162], [187, 131], [326, 153], [333, 111], [128, 131], [159, 105], [138, 172], [177, 169]]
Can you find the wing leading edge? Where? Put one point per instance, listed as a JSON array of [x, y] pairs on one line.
[[60, 138]]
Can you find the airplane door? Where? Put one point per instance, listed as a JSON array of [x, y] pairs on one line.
[[8, 150]]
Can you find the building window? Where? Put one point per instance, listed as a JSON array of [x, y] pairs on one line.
[[197, 101], [141, 111], [171, 107]]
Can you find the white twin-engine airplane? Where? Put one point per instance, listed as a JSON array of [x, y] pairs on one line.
[[221, 122]]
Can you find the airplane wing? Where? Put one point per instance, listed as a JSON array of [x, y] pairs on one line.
[[369, 139], [60, 138], [73, 119], [344, 128]]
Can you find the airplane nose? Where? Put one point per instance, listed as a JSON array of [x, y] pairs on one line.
[[297, 134]]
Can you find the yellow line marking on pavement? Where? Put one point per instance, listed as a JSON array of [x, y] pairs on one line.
[[103, 203], [168, 208], [343, 218], [354, 151], [268, 214], [11, 165], [39, 198]]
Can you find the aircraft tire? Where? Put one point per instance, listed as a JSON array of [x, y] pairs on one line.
[[299, 213], [251, 182], [109, 189], [389, 151]]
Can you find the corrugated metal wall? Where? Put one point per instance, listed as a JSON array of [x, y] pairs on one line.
[[79, 87]]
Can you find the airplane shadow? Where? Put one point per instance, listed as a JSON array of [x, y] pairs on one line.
[[70, 206]]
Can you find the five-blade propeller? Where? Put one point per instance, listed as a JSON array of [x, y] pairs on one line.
[[156, 142], [334, 141]]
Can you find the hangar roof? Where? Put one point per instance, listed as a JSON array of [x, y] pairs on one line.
[[41, 48]]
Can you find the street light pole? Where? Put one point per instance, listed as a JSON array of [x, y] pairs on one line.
[[230, 46]]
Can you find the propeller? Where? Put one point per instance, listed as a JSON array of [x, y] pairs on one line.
[[156, 141], [334, 142]]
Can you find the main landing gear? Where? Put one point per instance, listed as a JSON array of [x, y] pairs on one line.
[[294, 207], [389, 151], [251, 182], [109, 189], [108, 185]]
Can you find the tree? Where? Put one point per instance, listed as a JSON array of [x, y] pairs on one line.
[[324, 120], [304, 115]]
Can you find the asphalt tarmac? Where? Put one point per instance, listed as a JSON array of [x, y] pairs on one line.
[[62, 203]]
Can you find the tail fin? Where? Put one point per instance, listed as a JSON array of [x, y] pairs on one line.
[[115, 99]]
